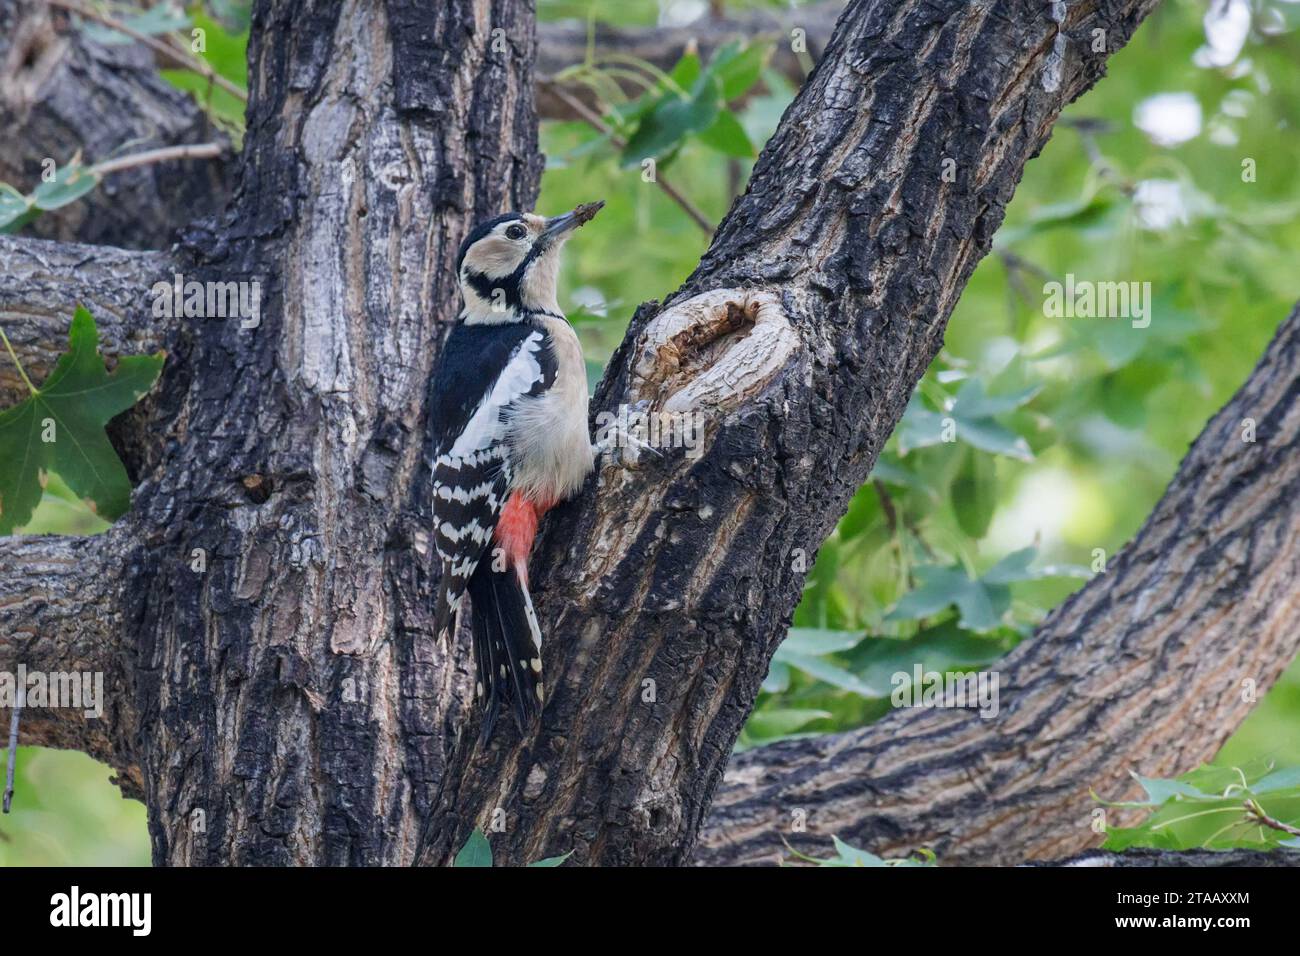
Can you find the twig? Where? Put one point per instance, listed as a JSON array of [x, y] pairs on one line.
[[158, 46], [1256, 811], [13, 748], [163, 155], [593, 120], [19, 365]]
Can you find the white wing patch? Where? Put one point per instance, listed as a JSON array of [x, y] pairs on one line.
[[485, 428]]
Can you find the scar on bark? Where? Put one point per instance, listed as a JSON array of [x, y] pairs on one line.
[[36, 50], [713, 350]]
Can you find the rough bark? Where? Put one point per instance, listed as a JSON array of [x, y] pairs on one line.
[[289, 691], [43, 284], [59, 604], [1147, 669], [61, 93]]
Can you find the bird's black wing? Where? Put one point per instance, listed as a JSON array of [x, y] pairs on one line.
[[484, 370]]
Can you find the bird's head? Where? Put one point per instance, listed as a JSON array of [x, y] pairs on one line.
[[508, 265]]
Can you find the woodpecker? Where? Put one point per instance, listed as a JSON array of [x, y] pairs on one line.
[[509, 407]]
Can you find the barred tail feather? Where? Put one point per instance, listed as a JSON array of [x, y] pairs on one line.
[[506, 647]]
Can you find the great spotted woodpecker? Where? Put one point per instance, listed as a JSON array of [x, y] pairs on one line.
[[509, 406]]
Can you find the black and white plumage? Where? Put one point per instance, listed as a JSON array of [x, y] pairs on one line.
[[509, 405]]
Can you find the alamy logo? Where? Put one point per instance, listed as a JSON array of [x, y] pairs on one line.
[[968, 689], [102, 909], [208, 300], [1084, 299], [655, 429], [70, 690]]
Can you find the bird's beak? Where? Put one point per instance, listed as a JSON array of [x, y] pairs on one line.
[[559, 225]]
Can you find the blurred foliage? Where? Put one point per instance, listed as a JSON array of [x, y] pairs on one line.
[[1216, 808], [1066, 429], [66, 813]]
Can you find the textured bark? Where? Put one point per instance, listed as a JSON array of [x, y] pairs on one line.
[[59, 613], [61, 93], [43, 284], [562, 45], [1146, 670], [289, 691]]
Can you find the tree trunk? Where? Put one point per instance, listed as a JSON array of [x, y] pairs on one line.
[[263, 612]]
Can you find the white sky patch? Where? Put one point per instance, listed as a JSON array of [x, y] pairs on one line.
[[1041, 506], [1227, 25], [677, 13], [1165, 203], [1168, 119], [590, 298], [1161, 204]]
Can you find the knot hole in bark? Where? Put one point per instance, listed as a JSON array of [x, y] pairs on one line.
[[36, 50], [713, 350]]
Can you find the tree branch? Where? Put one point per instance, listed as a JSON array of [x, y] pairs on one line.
[[44, 283], [60, 616], [563, 45], [61, 93], [1149, 668]]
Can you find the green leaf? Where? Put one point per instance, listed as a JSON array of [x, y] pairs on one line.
[[864, 510], [1158, 791], [69, 184], [944, 648], [727, 136], [979, 605], [671, 121], [975, 494], [1082, 213], [777, 679], [852, 856], [61, 429], [893, 472], [550, 861], [1016, 567], [972, 402], [833, 674], [972, 415], [987, 435], [1284, 779], [766, 724], [846, 855], [738, 68], [15, 208], [162, 18], [476, 851], [817, 640], [686, 72], [981, 602]]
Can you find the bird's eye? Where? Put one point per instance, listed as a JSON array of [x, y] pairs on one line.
[[516, 232]]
